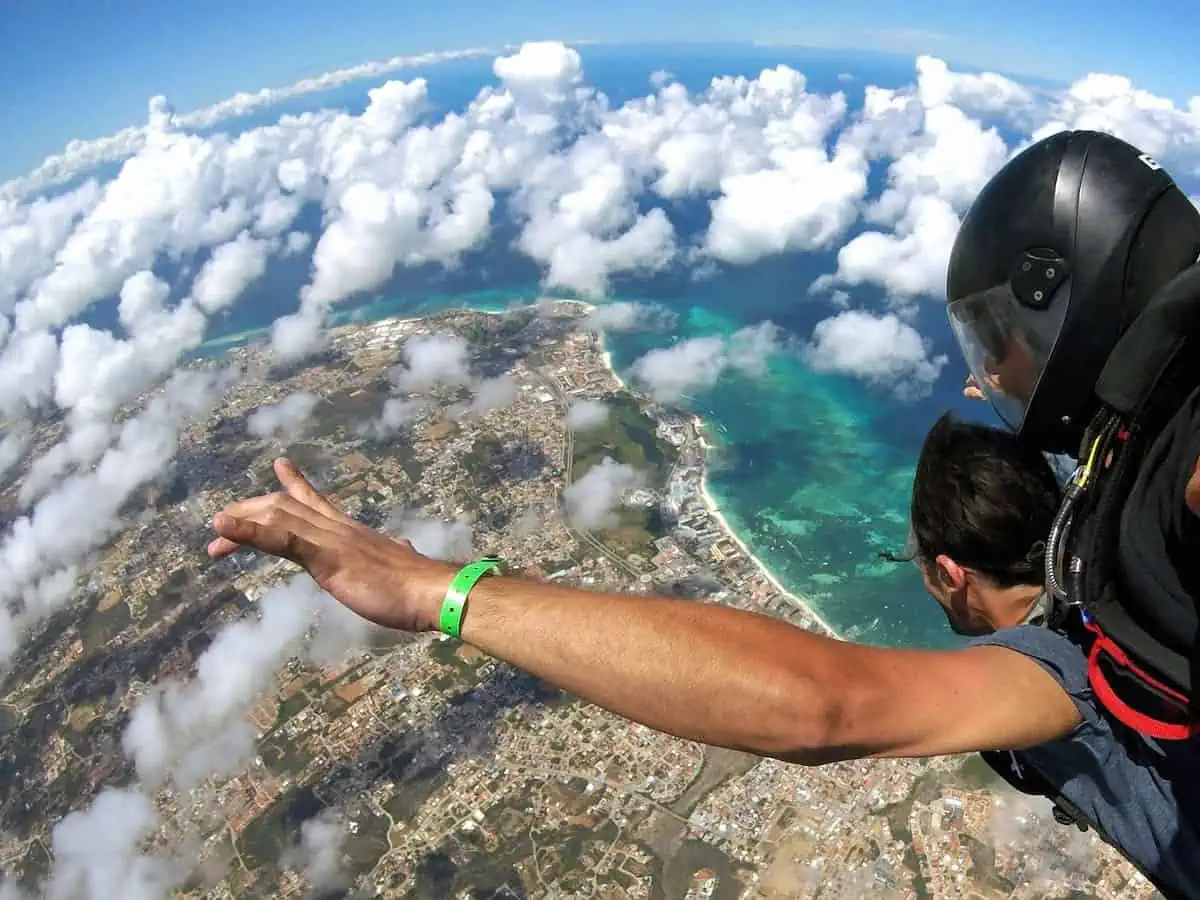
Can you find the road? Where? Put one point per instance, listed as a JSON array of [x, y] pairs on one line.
[[585, 537]]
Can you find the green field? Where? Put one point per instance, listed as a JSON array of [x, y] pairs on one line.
[[628, 437]]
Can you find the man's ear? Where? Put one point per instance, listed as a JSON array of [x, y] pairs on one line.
[[951, 573], [1192, 494]]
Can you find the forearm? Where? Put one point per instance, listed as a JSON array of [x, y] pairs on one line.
[[700, 671]]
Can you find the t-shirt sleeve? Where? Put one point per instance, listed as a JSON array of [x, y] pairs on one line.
[[1061, 657]]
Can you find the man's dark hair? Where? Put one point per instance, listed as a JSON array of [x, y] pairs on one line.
[[984, 499]]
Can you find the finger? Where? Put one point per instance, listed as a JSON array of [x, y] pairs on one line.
[[258, 507], [222, 547], [301, 489], [973, 393], [280, 533]]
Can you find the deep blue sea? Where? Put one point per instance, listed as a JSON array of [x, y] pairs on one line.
[[812, 470]]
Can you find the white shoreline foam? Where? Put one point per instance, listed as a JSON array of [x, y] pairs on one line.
[[714, 508], [710, 503]]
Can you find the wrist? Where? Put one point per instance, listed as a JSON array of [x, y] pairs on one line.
[[430, 591]]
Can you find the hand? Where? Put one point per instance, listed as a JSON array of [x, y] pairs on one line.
[[971, 389], [383, 579]]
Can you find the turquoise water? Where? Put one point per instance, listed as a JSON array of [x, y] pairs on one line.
[[800, 467]]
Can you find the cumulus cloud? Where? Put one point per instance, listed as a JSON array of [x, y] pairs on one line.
[[592, 501], [431, 360], [626, 315], [489, 394], [672, 373], [285, 419], [186, 732], [432, 537], [97, 852], [585, 414], [397, 413], [82, 156], [13, 446], [881, 350], [230, 269], [82, 447], [54, 536], [318, 855]]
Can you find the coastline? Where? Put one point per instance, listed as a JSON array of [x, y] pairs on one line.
[[714, 509], [709, 501]]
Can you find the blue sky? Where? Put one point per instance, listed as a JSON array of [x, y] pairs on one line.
[[82, 68]]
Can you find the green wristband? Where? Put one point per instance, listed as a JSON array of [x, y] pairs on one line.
[[455, 604]]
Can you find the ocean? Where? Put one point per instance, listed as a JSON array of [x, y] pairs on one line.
[[813, 471]]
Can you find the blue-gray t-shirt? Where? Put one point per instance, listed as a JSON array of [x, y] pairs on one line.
[[1144, 793]]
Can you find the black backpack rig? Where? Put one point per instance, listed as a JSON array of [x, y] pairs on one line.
[[1112, 579], [1109, 566]]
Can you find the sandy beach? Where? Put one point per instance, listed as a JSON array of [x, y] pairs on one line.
[[710, 504], [714, 509]]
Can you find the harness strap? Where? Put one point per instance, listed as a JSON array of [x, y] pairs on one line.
[[1102, 646]]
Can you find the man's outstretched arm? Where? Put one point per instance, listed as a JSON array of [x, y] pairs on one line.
[[699, 671]]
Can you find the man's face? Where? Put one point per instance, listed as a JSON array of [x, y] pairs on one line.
[[1016, 375]]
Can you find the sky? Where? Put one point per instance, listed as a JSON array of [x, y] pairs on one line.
[[76, 69]]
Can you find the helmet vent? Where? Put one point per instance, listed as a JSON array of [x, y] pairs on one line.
[[1038, 273]]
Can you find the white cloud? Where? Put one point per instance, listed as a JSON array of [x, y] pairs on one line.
[[82, 156], [881, 350], [97, 852], [54, 535], [592, 500], [186, 732], [1112, 103], [285, 419], [230, 269], [626, 315], [318, 856], [82, 446], [490, 394], [13, 446], [31, 234], [585, 414], [672, 373], [433, 537], [940, 160], [431, 360], [397, 413], [141, 300]]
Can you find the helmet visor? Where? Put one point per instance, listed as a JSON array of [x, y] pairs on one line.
[[1006, 345]]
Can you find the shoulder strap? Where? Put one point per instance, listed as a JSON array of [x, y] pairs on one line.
[[1149, 346]]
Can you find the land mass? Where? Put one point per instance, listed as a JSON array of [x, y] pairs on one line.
[[453, 773]]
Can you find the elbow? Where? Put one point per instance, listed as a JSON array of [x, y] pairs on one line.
[[813, 726]]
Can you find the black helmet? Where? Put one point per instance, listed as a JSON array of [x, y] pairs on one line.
[[1059, 253]]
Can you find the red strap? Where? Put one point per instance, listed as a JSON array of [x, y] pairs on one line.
[[1139, 721]]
